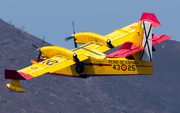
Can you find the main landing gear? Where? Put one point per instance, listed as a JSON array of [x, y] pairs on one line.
[[79, 68]]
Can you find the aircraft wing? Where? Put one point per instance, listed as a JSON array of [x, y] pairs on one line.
[[125, 34], [47, 66], [159, 38], [114, 39], [128, 48], [125, 50]]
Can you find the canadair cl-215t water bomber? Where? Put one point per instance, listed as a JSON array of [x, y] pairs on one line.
[[94, 58]]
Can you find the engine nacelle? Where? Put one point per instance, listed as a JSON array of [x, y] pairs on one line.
[[85, 37], [50, 51]]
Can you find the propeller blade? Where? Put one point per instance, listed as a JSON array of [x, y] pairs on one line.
[[39, 56], [72, 36], [75, 44], [43, 41], [73, 27], [68, 38], [33, 45]]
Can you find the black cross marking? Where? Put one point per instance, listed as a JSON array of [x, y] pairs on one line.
[[146, 36]]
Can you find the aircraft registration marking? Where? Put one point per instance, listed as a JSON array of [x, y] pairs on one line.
[[123, 65], [50, 62], [122, 62]]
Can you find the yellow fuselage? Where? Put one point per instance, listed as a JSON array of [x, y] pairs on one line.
[[97, 63]]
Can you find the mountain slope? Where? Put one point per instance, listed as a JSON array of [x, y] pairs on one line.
[[158, 93]]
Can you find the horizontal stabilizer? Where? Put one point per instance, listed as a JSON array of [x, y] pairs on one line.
[[159, 38], [13, 74], [125, 50], [150, 17]]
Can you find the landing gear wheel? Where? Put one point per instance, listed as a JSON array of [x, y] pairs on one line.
[[79, 69]]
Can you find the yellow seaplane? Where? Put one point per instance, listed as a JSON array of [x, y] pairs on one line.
[[126, 51]]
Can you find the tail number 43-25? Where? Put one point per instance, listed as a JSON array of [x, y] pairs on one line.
[[124, 67]]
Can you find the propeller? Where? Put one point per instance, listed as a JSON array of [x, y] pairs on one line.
[[38, 49], [33, 45], [72, 36], [39, 55], [43, 41]]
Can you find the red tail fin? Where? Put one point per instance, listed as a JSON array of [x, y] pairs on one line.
[[150, 17]]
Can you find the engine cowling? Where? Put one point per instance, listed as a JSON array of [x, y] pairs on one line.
[[85, 37]]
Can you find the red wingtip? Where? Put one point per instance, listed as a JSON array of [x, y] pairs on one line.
[[150, 17], [13, 74], [159, 38]]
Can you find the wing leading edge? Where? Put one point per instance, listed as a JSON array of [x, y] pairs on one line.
[[116, 38], [120, 36], [35, 70], [125, 50], [128, 48], [47, 66], [142, 40]]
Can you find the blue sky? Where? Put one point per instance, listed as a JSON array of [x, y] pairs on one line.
[[53, 19]]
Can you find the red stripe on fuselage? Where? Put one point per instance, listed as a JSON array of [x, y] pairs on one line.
[[142, 66], [96, 64]]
